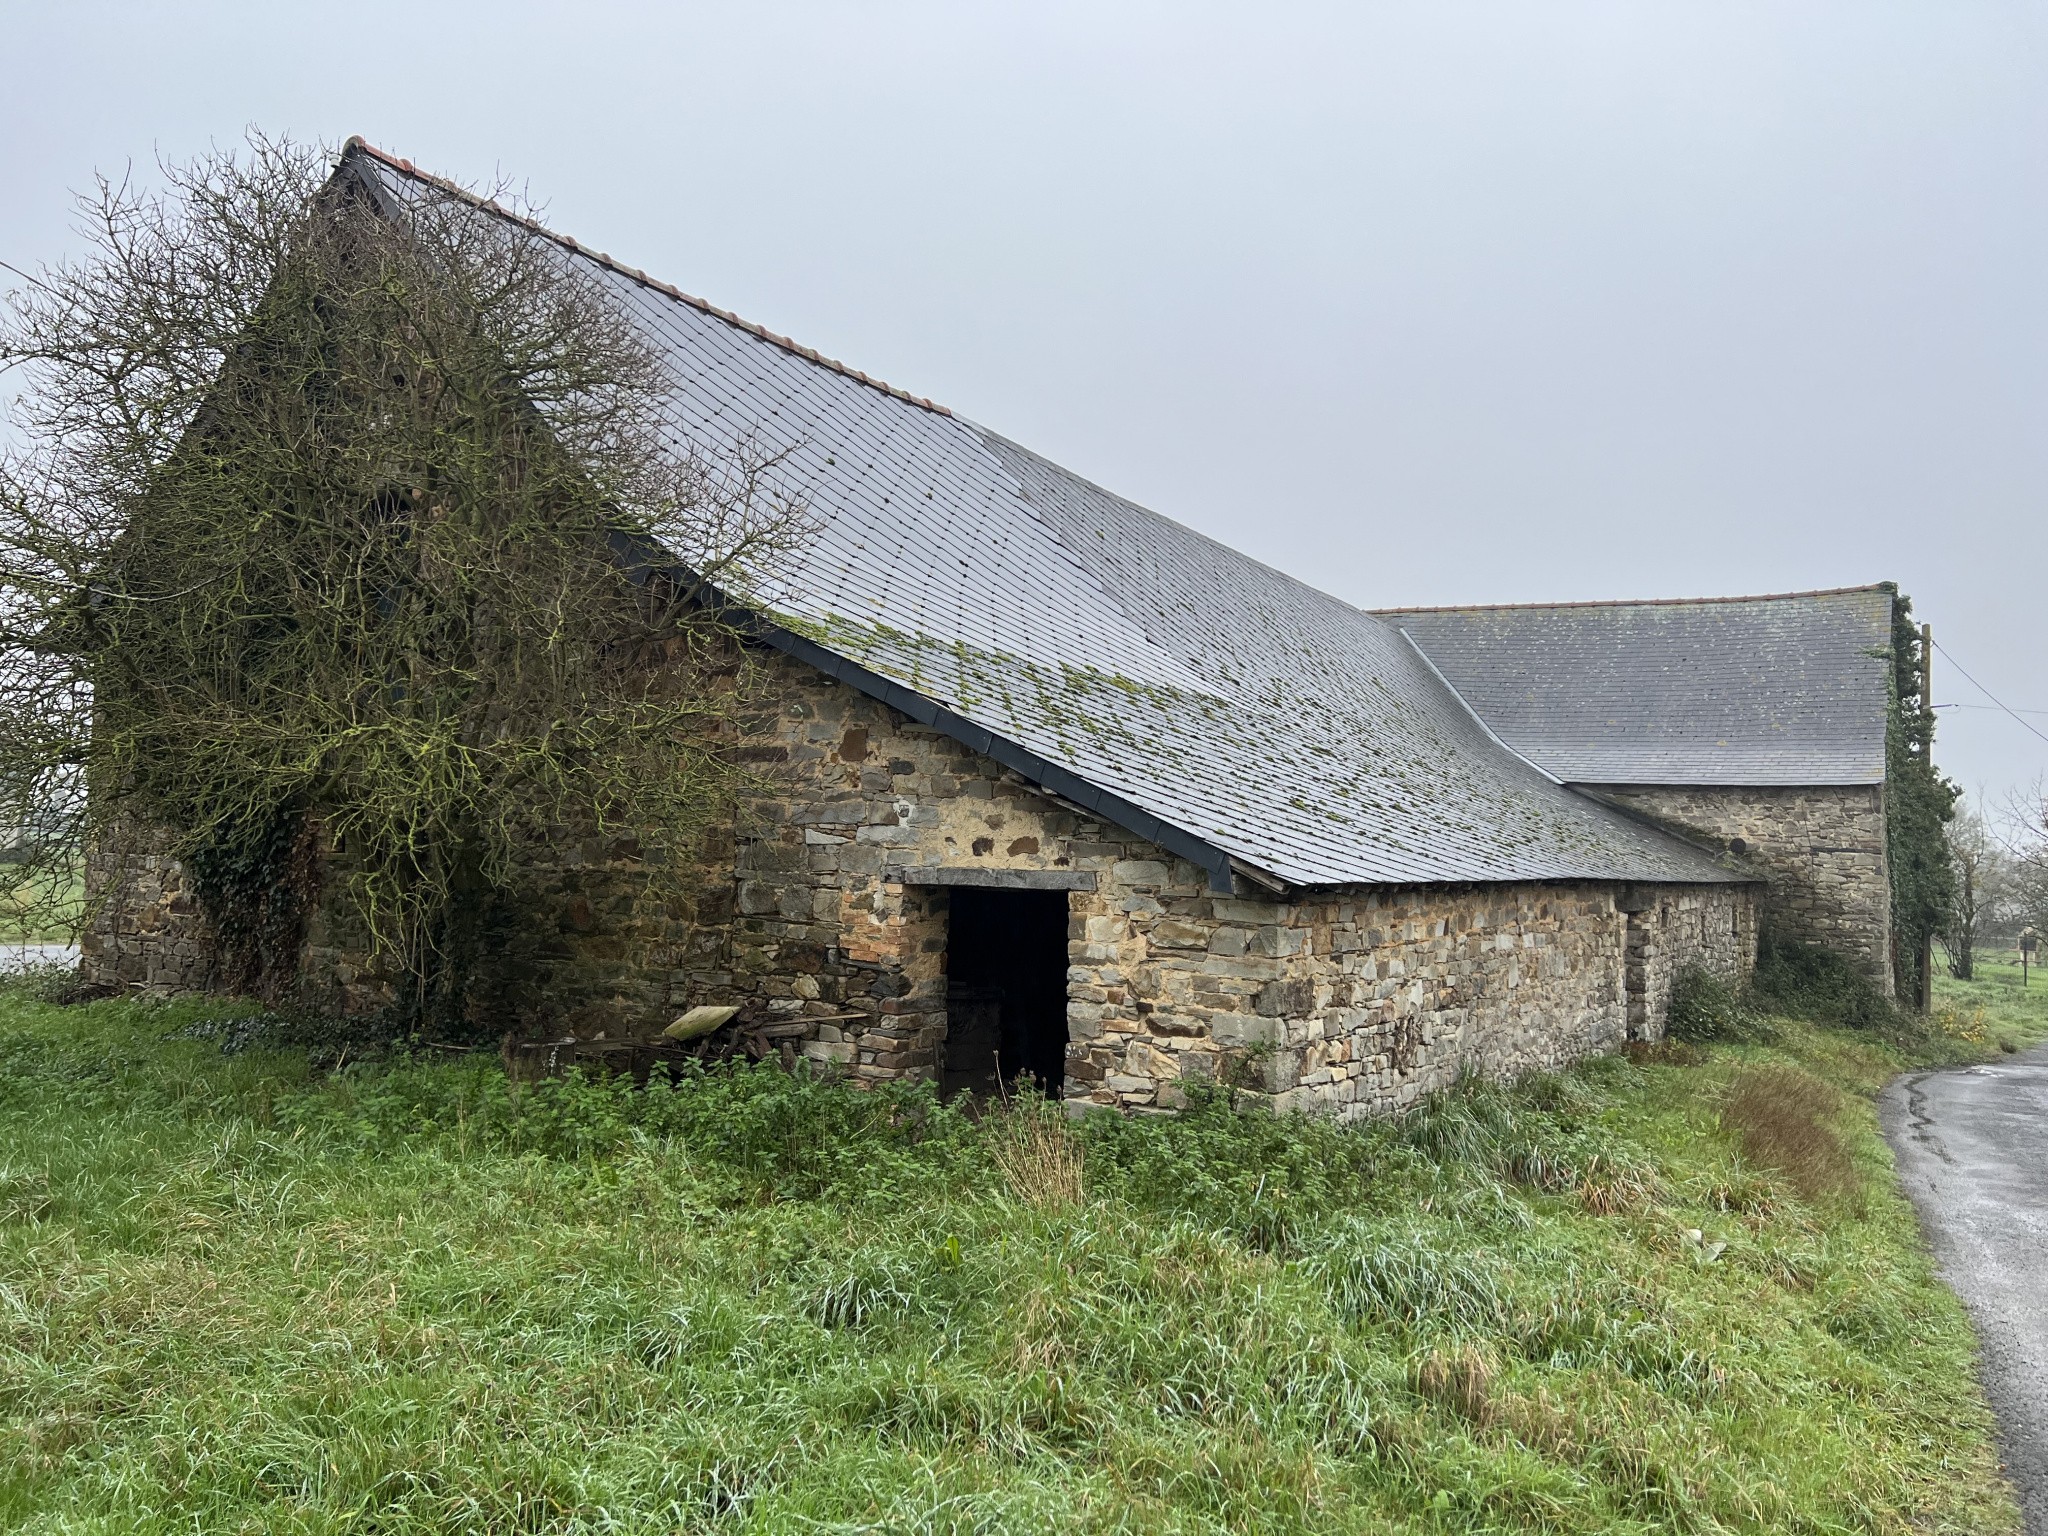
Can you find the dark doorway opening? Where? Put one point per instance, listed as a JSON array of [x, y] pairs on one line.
[[1006, 991]]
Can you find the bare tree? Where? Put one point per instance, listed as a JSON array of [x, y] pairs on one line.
[[350, 526], [1975, 858], [2022, 835]]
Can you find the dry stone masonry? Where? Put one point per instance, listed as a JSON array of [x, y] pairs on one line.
[[148, 935], [1820, 848], [828, 902]]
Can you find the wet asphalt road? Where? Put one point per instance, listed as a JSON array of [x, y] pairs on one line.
[[1972, 1149]]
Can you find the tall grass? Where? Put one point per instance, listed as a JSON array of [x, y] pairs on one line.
[[1783, 1119], [411, 1296], [1812, 982], [1035, 1145], [1999, 1005]]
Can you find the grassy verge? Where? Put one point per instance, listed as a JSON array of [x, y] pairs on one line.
[[409, 1297]]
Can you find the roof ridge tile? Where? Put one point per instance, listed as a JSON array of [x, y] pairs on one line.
[[1634, 602]]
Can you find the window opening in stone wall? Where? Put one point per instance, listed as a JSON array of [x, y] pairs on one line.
[[1006, 992]]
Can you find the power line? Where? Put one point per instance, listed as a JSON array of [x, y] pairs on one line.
[[1987, 692], [2014, 711]]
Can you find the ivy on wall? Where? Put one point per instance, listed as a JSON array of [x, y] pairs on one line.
[[257, 875], [350, 524], [1919, 802]]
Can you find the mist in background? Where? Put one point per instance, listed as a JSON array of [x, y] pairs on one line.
[[1432, 302]]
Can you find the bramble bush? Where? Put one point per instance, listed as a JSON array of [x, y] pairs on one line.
[[1807, 981], [1707, 1007]]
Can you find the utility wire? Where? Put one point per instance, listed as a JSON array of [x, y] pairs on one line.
[[2024, 725]]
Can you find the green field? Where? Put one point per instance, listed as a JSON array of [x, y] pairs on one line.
[[41, 910], [1994, 1002], [239, 1296]]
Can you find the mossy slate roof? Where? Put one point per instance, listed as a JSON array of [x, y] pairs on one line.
[[1777, 690], [1293, 732]]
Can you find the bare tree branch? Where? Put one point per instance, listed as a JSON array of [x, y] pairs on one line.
[[314, 536]]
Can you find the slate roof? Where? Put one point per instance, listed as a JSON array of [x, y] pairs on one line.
[[1783, 689], [1190, 693]]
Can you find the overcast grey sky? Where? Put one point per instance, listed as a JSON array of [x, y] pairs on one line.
[[1428, 302]]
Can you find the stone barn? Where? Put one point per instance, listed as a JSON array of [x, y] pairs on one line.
[[1064, 789], [1754, 724]]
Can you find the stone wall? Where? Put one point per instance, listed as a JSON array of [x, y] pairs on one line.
[[1354, 1001], [826, 902], [1366, 1000], [144, 931], [837, 908], [1821, 849]]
